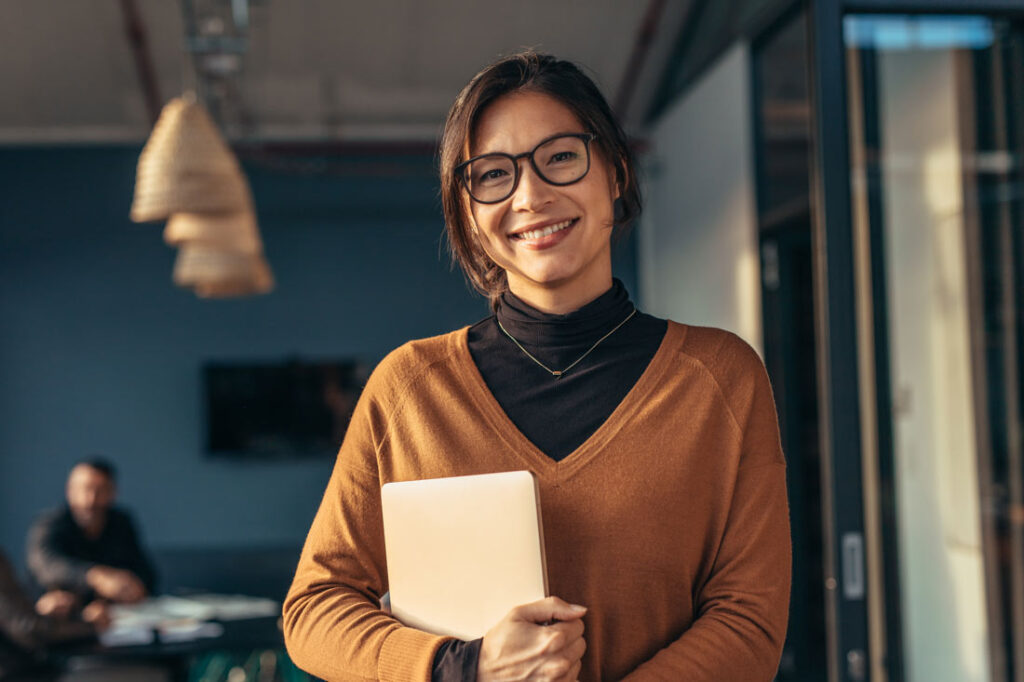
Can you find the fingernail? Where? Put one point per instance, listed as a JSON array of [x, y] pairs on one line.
[[578, 608]]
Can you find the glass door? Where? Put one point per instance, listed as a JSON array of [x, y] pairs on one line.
[[782, 125], [936, 113]]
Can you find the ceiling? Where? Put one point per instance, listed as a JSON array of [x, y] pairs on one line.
[[313, 70]]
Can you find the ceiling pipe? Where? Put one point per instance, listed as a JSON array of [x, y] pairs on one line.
[[338, 148], [641, 46], [135, 31]]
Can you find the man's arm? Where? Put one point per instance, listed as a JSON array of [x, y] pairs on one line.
[[139, 562], [49, 561]]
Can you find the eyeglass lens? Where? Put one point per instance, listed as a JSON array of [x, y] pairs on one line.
[[559, 161]]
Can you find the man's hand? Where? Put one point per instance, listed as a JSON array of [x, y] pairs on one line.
[[57, 604], [97, 613], [523, 646], [115, 584]]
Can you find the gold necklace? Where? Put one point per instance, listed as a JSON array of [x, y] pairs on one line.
[[557, 373]]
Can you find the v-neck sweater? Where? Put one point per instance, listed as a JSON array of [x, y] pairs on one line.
[[557, 414], [669, 522]]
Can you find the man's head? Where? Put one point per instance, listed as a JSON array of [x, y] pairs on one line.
[[91, 489]]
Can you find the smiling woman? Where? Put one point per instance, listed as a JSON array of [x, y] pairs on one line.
[[550, 232], [654, 444]]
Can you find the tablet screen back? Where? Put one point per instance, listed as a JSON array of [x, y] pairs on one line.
[[462, 551]]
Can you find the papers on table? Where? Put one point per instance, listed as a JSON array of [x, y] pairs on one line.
[[126, 636], [227, 606], [186, 631], [181, 619]]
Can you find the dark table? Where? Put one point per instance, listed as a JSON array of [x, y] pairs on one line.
[[177, 657]]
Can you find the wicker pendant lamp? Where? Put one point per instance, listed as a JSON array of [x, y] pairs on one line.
[[189, 176], [227, 231], [186, 166], [221, 254], [213, 272]]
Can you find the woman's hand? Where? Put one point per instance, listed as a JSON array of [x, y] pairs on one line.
[[522, 646]]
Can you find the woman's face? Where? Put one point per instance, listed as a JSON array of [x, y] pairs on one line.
[[571, 266]]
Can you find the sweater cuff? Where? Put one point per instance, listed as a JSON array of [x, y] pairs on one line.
[[408, 654]]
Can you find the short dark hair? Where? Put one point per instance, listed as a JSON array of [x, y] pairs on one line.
[[100, 464], [526, 71]]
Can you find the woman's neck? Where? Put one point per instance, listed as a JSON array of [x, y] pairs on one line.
[[558, 300], [562, 333]]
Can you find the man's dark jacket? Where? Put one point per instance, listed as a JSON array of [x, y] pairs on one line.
[[60, 554]]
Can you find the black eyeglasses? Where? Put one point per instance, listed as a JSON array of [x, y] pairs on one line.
[[557, 160]]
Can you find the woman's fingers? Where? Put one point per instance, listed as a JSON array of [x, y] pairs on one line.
[[573, 674], [565, 662], [547, 610], [575, 651], [540, 640], [563, 635]]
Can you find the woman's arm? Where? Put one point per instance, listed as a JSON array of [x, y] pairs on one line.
[[333, 624], [742, 608]]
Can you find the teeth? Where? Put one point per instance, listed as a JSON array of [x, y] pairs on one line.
[[544, 231]]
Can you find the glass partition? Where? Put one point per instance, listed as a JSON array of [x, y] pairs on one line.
[[935, 106]]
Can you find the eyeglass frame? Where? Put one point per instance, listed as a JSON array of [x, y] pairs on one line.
[[461, 176]]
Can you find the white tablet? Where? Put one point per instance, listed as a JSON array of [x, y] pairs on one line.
[[462, 551]]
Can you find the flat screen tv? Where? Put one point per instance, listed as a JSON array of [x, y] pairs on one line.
[[288, 409]]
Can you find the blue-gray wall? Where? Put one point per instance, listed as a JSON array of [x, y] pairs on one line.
[[100, 353]]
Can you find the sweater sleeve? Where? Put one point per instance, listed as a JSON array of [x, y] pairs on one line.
[[334, 627], [743, 606]]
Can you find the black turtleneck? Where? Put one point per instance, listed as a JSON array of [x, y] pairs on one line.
[[557, 414]]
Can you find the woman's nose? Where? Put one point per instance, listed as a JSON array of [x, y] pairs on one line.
[[532, 193]]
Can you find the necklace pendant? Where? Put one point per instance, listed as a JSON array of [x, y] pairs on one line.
[[557, 374]]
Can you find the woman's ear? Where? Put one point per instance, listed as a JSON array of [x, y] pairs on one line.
[[618, 210], [467, 211], [620, 179]]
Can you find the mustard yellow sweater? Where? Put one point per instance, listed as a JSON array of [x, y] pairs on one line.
[[670, 522]]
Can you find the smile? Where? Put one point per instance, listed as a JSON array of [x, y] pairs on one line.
[[544, 231]]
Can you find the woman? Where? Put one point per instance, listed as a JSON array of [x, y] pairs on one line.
[[655, 444]]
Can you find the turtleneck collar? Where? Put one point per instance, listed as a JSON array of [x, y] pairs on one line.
[[579, 327]]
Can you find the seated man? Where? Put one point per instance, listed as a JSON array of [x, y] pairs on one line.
[[24, 633], [88, 549]]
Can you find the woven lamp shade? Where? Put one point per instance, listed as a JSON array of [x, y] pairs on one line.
[[229, 231], [186, 166], [213, 272]]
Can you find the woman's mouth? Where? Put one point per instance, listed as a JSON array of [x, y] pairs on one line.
[[545, 231]]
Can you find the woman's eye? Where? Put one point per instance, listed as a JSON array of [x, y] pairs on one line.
[[562, 157], [492, 175]]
